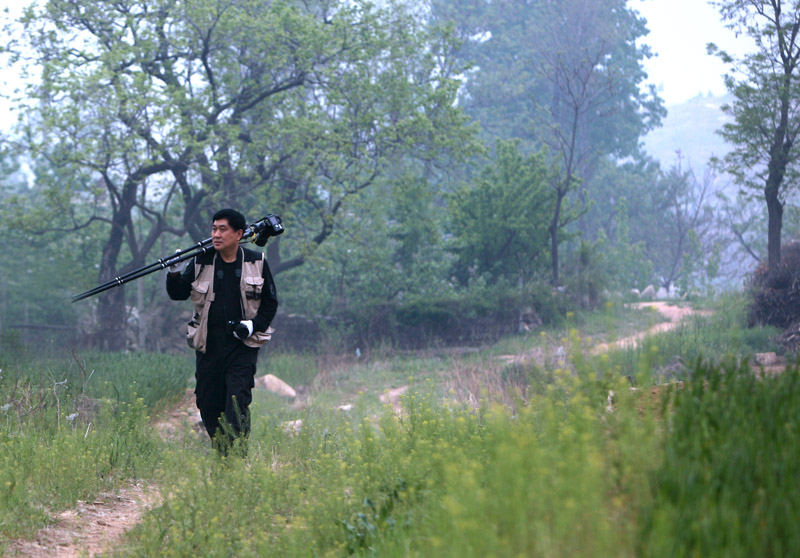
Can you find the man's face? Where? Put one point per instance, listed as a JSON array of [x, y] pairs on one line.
[[224, 237]]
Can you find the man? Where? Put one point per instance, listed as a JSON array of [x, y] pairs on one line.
[[234, 302]]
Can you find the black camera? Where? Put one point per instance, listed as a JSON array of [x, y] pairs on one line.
[[271, 225], [239, 330]]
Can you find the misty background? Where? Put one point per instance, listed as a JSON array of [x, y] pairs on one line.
[[453, 172]]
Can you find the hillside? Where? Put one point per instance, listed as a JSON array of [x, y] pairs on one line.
[[689, 127]]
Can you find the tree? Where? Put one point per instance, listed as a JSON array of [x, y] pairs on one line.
[[684, 221], [35, 278], [562, 74], [500, 222], [178, 109], [765, 85]]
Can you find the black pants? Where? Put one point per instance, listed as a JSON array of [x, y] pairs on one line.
[[225, 376]]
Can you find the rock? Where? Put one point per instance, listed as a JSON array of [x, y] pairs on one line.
[[766, 359], [275, 385], [636, 293], [293, 426], [392, 396], [649, 293]]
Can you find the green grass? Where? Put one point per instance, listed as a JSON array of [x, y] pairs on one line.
[[487, 458], [562, 477], [725, 486], [442, 480], [76, 425]]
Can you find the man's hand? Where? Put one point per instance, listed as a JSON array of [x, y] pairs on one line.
[[178, 267], [243, 330]]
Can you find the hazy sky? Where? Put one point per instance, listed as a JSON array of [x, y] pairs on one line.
[[679, 32]]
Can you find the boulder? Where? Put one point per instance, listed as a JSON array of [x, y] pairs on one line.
[[649, 293], [293, 426], [766, 359], [275, 385], [392, 396]]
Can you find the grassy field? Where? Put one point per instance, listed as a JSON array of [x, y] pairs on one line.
[[485, 456]]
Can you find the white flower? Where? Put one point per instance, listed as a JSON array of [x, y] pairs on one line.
[[72, 417]]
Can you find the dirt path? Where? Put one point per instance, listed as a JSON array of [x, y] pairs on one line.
[[92, 528], [675, 315]]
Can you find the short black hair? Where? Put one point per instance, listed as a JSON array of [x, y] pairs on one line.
[[235, 219]]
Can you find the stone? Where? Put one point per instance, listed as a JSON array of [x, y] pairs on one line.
[[649, 293], [275, 385], [766, 359], [392, 396], [293, 426]]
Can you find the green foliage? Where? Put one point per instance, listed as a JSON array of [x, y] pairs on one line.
[[619, 265], [500, 223], [626, 258], [440, 479], [721, 490], [512, 43], [388, 247], [302, 106]]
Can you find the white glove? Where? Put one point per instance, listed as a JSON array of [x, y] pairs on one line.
[[179, 266], [243, 330]]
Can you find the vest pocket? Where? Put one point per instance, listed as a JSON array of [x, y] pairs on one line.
[[200, 291], [253, 287], [199, 295], [259, 338]]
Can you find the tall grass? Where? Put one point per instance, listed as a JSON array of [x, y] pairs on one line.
[[727, 484], [440, 479], [562, 477], [75, 425]]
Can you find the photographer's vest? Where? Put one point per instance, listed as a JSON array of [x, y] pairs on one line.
[[251, 286]]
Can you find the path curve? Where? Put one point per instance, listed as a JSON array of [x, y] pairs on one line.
[[91, 527], [675, 314]]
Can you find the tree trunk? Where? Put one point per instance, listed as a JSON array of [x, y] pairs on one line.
[[554, 234], [112, 320], [775, 213], [111, 315]]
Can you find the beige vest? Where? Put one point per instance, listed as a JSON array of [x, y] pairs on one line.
[[250, 286]]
